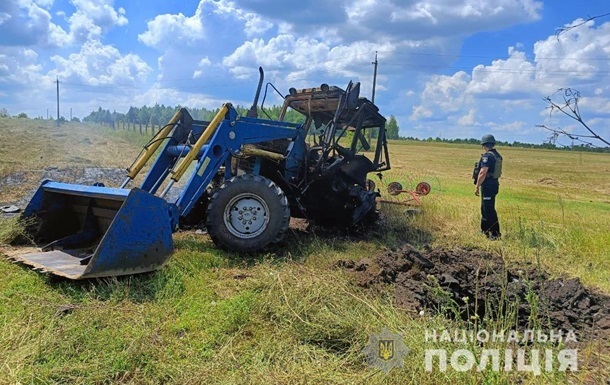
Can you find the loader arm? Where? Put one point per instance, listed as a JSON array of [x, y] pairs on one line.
[[212, 144]]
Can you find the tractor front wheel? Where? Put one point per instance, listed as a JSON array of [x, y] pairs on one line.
[[247, 213]]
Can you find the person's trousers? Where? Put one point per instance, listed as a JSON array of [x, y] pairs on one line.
[[489, 217]]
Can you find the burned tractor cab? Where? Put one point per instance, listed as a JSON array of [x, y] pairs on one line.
[[346, 140]]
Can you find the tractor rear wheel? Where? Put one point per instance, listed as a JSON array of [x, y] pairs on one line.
[[247, 213]]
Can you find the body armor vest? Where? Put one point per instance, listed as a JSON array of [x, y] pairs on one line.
[[497, 172]]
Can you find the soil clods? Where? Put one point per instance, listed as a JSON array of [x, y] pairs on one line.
[[470, 285]]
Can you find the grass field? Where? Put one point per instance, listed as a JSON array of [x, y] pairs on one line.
[[287, 317]]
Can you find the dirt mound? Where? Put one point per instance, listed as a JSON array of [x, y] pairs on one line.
[[468, 284]]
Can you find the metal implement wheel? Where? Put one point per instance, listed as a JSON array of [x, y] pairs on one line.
[[423, 188], [247, 213], [394, 188]]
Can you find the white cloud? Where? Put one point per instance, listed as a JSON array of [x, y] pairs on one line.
[[102, 12], [170, 96], [83, 28], [396, 20], [43, 3], [24, 23], [256, 25], [204, 64], [517, 127], [420, 113], [301, 58], [468, 119], [340, 39], [29, 23], [91, 20], [446, 94], [221, 7], [579, 59], [504, 78], [19, 66], [581, 56], [599, 104], [98, 64], [269, 55], [166, 30]]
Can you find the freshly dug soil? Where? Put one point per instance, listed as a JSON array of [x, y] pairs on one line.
[[464, 283]]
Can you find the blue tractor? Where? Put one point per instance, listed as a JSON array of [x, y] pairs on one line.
[[247, 176]]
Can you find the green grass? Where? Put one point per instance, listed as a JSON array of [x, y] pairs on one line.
[[288, 317]]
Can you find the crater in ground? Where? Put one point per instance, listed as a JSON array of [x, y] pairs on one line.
[[470, 284]]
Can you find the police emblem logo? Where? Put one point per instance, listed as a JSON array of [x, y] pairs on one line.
[[385, 350], [484, 159]]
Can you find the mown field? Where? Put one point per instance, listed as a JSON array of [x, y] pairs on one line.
[[289, 316]]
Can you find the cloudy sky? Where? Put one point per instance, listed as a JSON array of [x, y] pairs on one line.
[[449, 68]]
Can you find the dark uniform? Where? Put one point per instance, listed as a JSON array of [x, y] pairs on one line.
[[489, 189]]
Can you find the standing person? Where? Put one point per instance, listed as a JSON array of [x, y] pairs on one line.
[[486, 181]]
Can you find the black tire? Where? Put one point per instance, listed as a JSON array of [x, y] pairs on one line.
[[232, 220]]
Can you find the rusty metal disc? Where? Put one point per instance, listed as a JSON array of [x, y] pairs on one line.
[[394, 188], [423, 188]]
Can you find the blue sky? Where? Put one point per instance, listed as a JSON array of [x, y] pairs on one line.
[[449, 68]]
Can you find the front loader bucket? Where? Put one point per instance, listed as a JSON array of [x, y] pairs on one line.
[[90, 231]]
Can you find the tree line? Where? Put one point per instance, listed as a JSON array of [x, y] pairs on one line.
[[545, 145], [159, 114]]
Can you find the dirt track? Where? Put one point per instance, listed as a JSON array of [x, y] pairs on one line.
[[464, 283]]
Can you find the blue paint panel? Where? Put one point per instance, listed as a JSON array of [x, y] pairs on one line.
[[86, 191], [248, 132], [38, 200], [265, 122], [35, 203], [138, 240]]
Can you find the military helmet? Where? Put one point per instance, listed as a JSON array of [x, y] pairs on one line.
[[488, 138]]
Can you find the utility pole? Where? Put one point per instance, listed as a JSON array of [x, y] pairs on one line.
[[70, 113], [57, 81], [47, 114]]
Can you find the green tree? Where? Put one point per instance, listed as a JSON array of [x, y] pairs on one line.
[[392, 128]]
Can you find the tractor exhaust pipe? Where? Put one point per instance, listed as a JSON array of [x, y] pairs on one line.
[[253, 111]]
